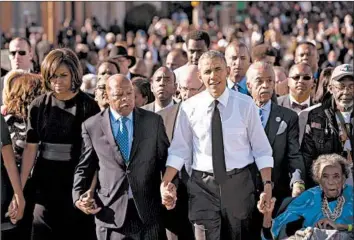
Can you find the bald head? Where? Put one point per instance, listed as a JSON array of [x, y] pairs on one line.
[[281, 81], [176, 58], [260, 82], [163, 86], [189, 84], [120, 94]]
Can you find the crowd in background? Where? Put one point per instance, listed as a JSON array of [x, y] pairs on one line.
[[285, 42]]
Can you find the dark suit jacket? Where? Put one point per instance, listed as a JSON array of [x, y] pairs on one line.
[[284, 101], [143, 172], [282, 130]]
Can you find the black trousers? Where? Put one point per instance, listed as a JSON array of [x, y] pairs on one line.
[[133, 228], [221, 212]]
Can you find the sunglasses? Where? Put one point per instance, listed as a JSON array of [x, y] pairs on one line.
[[306, 77], [22, 53]]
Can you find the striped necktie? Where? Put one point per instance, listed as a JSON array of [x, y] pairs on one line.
[[261, 116]]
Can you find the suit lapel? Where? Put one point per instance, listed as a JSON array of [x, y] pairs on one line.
[[273, 123], [107, 130], [137, 130]]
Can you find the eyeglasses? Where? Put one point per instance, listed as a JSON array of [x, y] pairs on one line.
[[22, 53], [185, 89], [342, 87], [306, 77], [101, 87]]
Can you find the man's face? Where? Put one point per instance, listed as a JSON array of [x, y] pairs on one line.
[[300, 81], [120, 94], [174, 61], [20, 55], [123, 64], [190, 85], [238, 60], [214, 72], [195, 50], [101, 94], [307, 54], [343, 92], [106, 69], [261, 84], [163, 84]]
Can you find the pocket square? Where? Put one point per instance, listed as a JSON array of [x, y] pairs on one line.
[[282, 127]]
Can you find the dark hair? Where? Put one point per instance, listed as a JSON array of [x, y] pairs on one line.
[[110, 61], [144, 87], [308, 43], [197, 36], [179, 51], [57, 57], [323, 83], [260, 52]]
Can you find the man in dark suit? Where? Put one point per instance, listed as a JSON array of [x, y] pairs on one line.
[[282, 129], [128, 148], [163, 86], [119, 54], [177, 218]]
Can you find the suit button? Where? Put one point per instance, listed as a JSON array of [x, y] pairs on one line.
[[128, 171]]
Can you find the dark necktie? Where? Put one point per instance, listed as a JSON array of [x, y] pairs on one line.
[[217, 144], [299, 106]]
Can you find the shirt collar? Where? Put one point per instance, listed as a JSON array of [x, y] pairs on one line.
[[158, 108], [266, 107], [242, 83], [307, 101], [223, 99], [116, 116]]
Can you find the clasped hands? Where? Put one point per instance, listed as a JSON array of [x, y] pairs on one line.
[[87, 203], [168, 195], [16, 208]]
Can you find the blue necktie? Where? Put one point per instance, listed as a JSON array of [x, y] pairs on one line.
[[261, 116], [240, 88], [123, 138]]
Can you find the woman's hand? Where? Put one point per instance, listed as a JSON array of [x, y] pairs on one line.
[[325, 223], [16, 208]]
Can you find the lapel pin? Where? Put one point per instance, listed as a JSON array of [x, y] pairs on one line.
[[277, 119]]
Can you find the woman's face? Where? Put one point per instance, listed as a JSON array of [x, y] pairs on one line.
[[332, 180], [60, 81], [139, 99]]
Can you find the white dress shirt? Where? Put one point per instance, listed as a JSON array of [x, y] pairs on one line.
[[129, 76], [159, 108], [244, 138]]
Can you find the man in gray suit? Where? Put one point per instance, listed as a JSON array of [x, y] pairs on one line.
[[282, 129], [163, 86], [128, 147]]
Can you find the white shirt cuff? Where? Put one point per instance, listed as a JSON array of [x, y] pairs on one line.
[[175, 162], [264, 162]]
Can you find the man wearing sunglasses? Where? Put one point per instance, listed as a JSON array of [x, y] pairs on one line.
[[301, 83], [329, 128]]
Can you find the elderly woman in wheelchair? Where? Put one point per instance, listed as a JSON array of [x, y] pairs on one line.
[[322, 212]]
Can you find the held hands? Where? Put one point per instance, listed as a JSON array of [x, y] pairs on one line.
[[16, 208], [325, 223], [263, 205], [87, 203], [297, 189], [168, 195]]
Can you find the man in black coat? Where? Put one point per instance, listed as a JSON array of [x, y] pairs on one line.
[[128, 148]]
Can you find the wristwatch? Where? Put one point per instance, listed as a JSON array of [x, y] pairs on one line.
[[268, 182]]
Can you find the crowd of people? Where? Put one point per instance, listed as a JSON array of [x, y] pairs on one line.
[[180, 132]]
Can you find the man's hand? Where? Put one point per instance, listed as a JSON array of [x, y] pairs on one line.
[[325, 223], [265, 201], [168, 195], [298, 188], [16, 208], [87, 203], [263, 207]]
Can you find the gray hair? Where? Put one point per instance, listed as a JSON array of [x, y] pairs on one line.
[[259, 65], [329, 160], [211, 55]]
